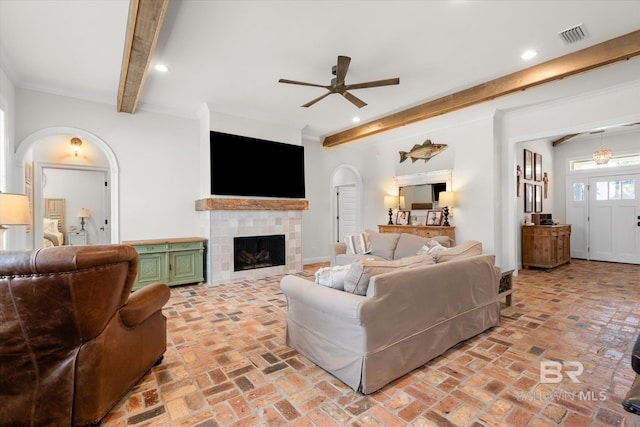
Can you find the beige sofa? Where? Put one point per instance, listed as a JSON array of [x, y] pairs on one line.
[[385, 246], [407, 316]]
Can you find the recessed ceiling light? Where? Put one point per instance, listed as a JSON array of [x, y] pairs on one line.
[[356, 119], [528, 54], [162, 68]]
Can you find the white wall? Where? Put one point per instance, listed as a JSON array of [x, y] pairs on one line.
[[158, 184]]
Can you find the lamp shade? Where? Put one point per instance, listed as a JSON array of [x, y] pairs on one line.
[[390, 202], [447, 198], [14, 209], [84, 213]]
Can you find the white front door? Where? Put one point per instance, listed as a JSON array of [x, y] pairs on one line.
[[614, 218]]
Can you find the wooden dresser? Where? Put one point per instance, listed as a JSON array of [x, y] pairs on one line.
[[546, 246], [420, 230]]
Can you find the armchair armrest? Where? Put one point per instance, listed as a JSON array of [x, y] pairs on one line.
[[336, 249], [143, 303]]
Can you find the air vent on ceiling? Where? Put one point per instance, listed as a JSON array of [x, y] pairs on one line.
[[574, 34]]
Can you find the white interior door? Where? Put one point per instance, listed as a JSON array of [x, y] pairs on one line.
[[614, 221], [347, 217], [578, 216]]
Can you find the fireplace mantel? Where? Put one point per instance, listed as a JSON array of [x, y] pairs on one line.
[[220, 204]]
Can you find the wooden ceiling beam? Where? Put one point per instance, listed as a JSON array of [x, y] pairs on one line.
[[143, 29], [609, 52]]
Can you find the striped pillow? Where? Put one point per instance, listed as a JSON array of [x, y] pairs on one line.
[[358, 243]]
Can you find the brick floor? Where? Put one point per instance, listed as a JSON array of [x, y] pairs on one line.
[[226, 362]]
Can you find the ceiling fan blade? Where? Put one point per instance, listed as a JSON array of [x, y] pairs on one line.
[[341, 69], [293, 82], [385, 82], [354, 100], [310, 103]]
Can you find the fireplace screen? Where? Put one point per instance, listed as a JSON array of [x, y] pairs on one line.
[[258, 252]]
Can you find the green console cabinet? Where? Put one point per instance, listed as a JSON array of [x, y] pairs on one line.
[[171, 261]]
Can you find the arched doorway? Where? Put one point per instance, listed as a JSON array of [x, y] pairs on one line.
[[346, 200], [57, 141]]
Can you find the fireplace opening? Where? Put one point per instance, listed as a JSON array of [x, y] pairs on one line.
[[258, 252]]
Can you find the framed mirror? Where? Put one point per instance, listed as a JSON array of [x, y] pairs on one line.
[[419, 191]]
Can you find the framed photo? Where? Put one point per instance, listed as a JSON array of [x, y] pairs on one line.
[[528, 197], [537, 167], [538, 198], [528, 164], [434, 217], [402, 217]]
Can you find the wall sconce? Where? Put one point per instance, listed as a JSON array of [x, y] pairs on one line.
[[84, 213], [390, 203], [14, 210], [448, 200], [75, 145]]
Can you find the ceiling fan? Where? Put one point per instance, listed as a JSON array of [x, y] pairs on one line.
[[338, 85]]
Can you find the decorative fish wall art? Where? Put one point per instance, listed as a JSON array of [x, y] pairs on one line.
[[424, 151]]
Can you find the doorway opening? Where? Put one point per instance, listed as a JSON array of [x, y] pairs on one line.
[[50, 148], [346, 193]]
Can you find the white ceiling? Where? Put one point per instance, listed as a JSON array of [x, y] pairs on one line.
[[230, 54]]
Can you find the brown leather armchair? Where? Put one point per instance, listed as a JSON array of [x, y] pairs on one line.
[[73, 338]]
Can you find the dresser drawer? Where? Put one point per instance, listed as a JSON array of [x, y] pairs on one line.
[[147, 249], [185, 246]]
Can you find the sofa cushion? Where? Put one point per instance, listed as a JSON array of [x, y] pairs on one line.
[[410, 244], [383, 244], [465, 249], [344, 259], [357, 279], [358, 243], [332, 277]]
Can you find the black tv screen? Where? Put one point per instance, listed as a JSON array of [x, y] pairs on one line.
[[243, 166]]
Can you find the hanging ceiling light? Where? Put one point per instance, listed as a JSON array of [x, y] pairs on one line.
[[602, 156], [75, 145]]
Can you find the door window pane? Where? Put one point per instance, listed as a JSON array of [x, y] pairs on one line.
[[578, 192], [602, 190], [614, 190], [629, 189]]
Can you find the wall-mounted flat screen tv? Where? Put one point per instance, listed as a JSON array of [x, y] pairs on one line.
[[243, 166]]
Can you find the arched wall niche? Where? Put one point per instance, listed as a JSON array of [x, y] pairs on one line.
[[24, 154]]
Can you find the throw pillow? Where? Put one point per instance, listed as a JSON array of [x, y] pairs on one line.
[[358, 275], [358, 243], [465, 249], [383, 244], [332, 277]]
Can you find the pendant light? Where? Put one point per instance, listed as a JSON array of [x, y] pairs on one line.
[[601, 156]]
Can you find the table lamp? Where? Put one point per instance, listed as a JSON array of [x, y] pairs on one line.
[[390, 203], [14, 210], [84, 213], [448, 200]]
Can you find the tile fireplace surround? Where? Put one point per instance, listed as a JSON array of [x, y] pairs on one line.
[[224, 219]]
